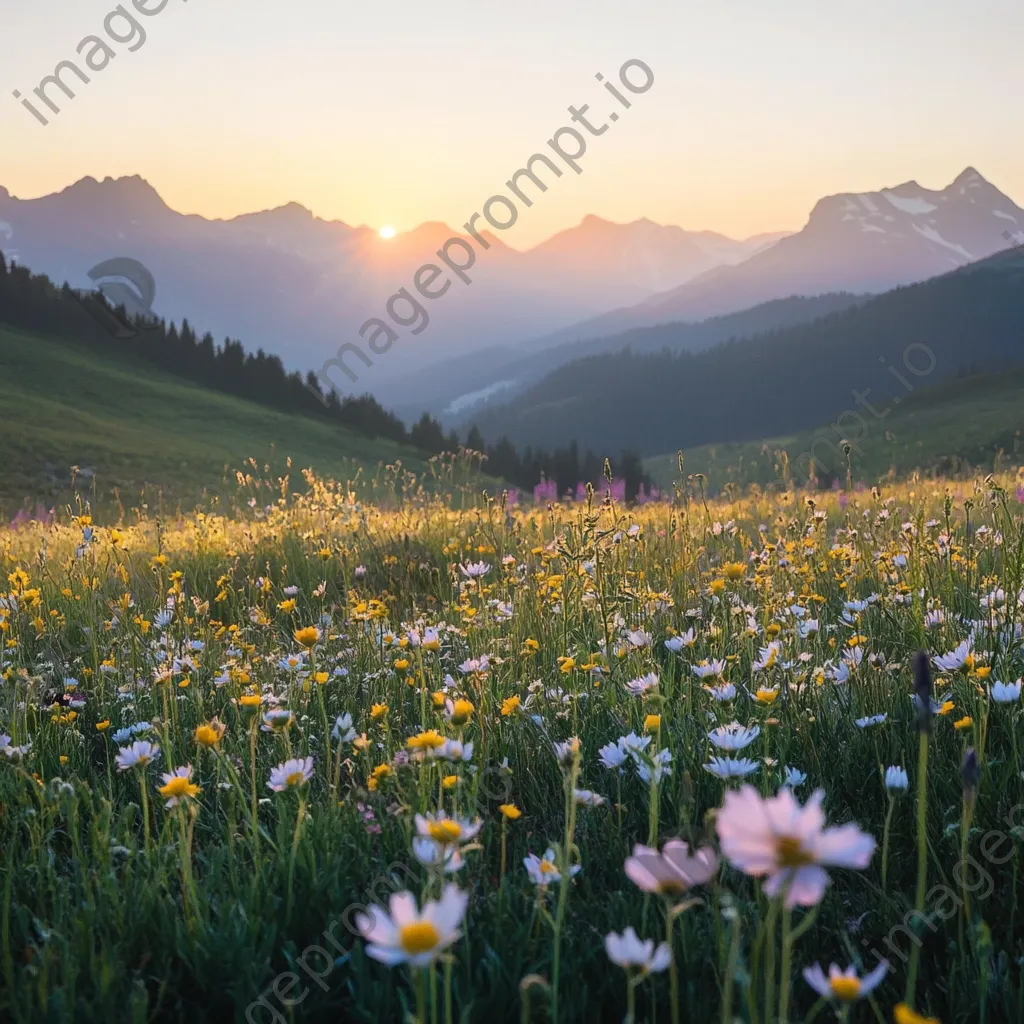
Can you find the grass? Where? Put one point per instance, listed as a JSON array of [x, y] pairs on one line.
[[955, 428], [147, 434], [241, 902]]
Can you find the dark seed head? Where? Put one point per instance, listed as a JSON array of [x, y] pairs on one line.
[[971, 772]]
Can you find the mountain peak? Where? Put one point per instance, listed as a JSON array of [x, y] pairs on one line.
[[290, 211], [132, 191], [969, 176]]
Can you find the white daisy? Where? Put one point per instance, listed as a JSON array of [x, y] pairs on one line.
[[542, 870], [448, 831], [708, 668], [631, 953], [733, 737], [1006, 693], [844, 986], [731, 768], [291, 774], [407, 935], [955, 659], [138, 755]]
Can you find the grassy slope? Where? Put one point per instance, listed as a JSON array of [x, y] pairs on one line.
[[957, 424], [137, 425]]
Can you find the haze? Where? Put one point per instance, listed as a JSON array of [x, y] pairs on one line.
[[402, 114]]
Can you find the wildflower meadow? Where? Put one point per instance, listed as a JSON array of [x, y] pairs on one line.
[[305, 757]]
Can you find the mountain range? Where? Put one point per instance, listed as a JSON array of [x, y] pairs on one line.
[[298, 286], [859, 243], [856, 241]]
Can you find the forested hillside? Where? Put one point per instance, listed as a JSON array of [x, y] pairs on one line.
[[785, 381]]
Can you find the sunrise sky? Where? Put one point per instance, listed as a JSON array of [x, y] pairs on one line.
[[399, 113]]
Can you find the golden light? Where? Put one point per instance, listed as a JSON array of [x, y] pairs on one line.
[[388, 232]]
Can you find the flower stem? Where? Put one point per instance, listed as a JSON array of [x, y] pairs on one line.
[[730, 970], [565, 863], [145, 809], [448, 991], [673, 975], [787, 964], [922, 858], [885, 842], [769, 969], [421, 996], [291, 860]]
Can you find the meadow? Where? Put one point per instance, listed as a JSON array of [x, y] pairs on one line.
[[141, 435], [298, 757], [957, 427]]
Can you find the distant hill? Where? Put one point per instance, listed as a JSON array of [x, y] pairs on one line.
[[459, 389], [225, 385], [969, 423], [853, 242], [971, 320]]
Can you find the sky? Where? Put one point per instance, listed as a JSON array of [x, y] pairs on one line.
[[405, 112]]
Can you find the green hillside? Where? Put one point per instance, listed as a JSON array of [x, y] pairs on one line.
[[146, 432], [966, 423]]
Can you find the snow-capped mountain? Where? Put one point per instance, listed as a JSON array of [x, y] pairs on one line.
[[853, 242]]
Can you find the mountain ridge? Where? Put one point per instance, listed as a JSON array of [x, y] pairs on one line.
[[780, 382], [298, 285], [822, 257]]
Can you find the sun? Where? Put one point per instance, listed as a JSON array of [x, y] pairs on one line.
[[388, 232]]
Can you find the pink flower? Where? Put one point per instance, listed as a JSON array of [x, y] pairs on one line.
[[674, 870], [545, 491], [777, 838]]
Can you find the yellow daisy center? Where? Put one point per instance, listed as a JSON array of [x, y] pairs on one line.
[[845, 989], [294, 779], [547, 868], [789, 853], [444, 831], [672, 887], [419, 937]]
